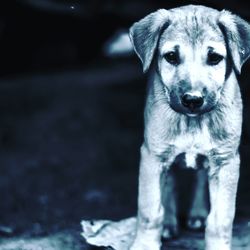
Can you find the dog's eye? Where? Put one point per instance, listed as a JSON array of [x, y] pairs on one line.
[[172, 58], [214, 58]]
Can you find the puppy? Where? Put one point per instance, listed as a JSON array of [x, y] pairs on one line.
[[193, 108]]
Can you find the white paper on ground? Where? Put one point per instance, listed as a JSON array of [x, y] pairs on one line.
[[118, 235]]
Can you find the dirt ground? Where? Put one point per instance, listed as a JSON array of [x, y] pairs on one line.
[[70, 150]]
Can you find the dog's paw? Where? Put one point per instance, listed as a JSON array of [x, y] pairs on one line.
[[170, 232], [196, 223], [145, 244]]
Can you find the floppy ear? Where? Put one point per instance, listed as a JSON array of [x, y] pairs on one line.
[[237, 35], [144, 35]]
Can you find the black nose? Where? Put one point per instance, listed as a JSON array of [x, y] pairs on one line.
[[192, 101]]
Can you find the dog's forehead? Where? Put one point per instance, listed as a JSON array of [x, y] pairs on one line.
[[192, 25]]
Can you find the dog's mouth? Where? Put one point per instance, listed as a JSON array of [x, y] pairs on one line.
[[192, 114], [186, 111], [190, 110]]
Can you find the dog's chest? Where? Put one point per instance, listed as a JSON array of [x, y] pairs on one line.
[[193, 144]]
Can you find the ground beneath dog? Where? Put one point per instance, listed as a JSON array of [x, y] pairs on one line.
[[70, 239], [70, 151]]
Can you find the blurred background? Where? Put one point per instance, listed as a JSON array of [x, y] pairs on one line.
[[71, 108]]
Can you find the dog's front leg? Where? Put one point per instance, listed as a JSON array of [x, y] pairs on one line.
[[150, 209], [223, 182]]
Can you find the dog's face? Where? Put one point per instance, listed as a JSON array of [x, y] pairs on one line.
[[192, 66], [195, 49]]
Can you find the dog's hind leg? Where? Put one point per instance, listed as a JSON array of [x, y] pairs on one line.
[[169, 199], [199, 201]]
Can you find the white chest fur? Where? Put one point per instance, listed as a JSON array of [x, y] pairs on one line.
[[192, 144]]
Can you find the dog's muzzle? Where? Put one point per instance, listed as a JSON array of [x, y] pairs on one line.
[[192, 103]]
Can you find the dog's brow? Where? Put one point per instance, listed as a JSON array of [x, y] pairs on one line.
[[170, 46], [218, 47]]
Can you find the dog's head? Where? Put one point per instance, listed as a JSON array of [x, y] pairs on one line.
[[196, 49]]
